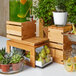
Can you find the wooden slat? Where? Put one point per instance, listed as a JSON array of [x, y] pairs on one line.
[[14, 23], [55, 35], [28, 29], [65, 28], [55, 45], [13, 37], [15, 30]]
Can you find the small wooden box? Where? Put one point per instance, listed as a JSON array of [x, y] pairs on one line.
[[20, 31], [55, 33], [59, 43]]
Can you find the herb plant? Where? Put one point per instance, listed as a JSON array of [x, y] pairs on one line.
[[44, 11], [71, 9]]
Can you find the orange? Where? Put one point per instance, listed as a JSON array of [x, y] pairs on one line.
[[23, 1]]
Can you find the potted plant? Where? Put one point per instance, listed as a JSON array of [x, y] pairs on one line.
[[16, 61], [44, 11], [60, 14], [5, 64]]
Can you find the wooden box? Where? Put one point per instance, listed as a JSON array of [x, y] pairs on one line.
[[20, 31], [59, 43], [55, 33], [57, 55]]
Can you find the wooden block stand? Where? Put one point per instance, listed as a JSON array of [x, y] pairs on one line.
[[58, 43], [28, 44], [20, 31]]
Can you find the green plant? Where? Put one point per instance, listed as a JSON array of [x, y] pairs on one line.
[[5, 61], [71, 9], [2, 51], [60, 5], [44, 11], [16, 58], [1, 58]]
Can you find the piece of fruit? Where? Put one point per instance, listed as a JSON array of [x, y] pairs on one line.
[[21, 16], [47, 60], [42, 60], [74, 29], [48, 51], [69, 60], [43, 53], [45, 47], [74, 59], [69, 68], [49, 56]]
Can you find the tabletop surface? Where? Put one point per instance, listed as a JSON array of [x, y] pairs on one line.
[[32, 41]]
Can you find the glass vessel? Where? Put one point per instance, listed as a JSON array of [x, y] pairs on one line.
[[70, 60], [19, 10]]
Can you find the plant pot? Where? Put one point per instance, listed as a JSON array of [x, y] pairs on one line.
[[5, 68], [17, 66], [60, 18]]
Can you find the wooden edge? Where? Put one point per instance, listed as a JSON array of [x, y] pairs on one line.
[[13, 23], [60, 28], [34, 21]]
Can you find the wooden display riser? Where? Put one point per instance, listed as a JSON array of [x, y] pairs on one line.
[[59, 43], [28, 44]]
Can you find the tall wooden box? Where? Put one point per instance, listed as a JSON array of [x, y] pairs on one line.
[[58, 43], [20, 31]]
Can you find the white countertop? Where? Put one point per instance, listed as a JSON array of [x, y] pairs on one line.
[[51, 70]]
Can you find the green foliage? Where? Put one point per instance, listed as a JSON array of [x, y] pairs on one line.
[[6, 61], [17, 11], [2, 51], [44, 11], [71, 9], [16, 58], [1, 58], [60, 5]]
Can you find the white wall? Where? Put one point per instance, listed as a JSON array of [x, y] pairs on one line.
[[4, 15]]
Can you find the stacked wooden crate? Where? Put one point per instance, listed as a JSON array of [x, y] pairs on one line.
[[59, 44], [20, 31]]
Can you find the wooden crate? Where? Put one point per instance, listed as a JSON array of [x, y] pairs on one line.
[[55, 33], [20, 31], [60, 43], [57, 55]]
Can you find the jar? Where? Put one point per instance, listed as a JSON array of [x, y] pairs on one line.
[[70, 60]]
